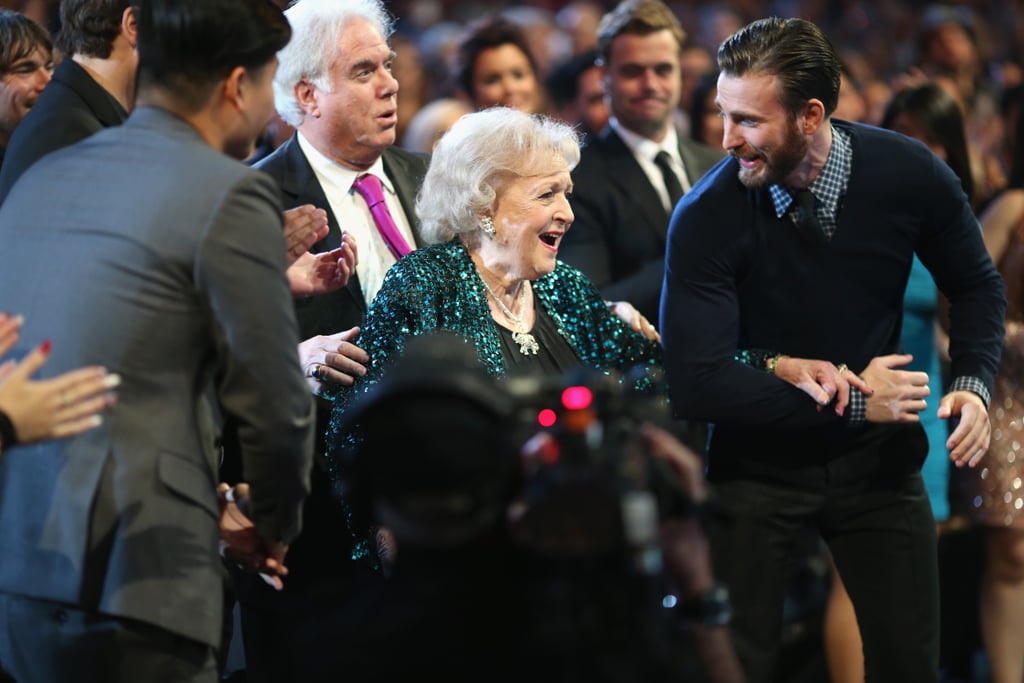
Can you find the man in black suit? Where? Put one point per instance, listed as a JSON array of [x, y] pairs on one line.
[[621, 198], [92, 88], [342, 102]]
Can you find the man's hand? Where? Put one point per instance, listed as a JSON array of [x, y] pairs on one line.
[[970, 440], [242, 544], [821, 380], [304, 226], [333, 358], [313, 274], [898, 394]]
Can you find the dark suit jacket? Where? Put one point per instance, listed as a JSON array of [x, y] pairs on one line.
[[72, 107], [163, 260], [299, 185], [618, 236], [321, 552]]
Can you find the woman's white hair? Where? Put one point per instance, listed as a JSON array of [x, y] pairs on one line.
[[477, 154], [316, 28]]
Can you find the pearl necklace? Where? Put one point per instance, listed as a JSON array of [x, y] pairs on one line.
[[527, 343]]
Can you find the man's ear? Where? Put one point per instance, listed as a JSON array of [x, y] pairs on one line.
[[235, 87], [812, 116], [130, 27], [305, 95]]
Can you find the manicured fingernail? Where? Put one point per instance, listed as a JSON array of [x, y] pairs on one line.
[[45, 347], [95, 421], [111, 381], [19, 319]]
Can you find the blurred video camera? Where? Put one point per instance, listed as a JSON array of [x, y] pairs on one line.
[[452, 466], [591, 486]]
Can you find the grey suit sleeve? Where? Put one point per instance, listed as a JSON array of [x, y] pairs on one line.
[[241, 271]]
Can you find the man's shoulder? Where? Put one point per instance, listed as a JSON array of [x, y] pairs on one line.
[[400, 160], [704, 156], [281, 158]]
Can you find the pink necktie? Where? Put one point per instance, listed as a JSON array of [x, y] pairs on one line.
[[369, 187]]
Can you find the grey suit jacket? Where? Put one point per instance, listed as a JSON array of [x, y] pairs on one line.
[[144, 250], [618, 236]]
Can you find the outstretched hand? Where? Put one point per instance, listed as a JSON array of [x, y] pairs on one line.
[[54, 408], [312, 274], [637, 322], [970, 440], [304, 226]]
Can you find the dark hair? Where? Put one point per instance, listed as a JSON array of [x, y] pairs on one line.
[[793, 50], [187, 46], [89, 27], [563, 82], [637, 17], [938, 116], [19, 37], [1011, 108], [706, 84], [487, 34]]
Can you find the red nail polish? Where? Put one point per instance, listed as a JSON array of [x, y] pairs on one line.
[[45, 346]]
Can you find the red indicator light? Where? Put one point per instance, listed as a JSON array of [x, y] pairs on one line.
[[547, 417], [577, 398]]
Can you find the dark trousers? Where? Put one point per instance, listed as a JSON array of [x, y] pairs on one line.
[[47, 641], [881, 533], [293, 635]]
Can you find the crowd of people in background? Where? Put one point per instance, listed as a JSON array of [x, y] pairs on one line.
[[619, 116]]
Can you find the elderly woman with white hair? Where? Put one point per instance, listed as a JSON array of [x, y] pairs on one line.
[[493, 207]]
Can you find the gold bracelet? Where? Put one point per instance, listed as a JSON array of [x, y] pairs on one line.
[[773, 363]]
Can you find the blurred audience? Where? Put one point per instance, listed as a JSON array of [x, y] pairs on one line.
[[431, 122], [996, 500], [26, 65], [577, 96], [93, 87], [635, 169], [494, 66]]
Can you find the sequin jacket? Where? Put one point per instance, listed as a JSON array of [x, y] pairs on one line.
[[438, 288]]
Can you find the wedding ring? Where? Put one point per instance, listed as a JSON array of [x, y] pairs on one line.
[[321, 372], [841, 368]]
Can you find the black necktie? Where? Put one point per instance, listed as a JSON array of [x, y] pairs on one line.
[[675, 190], [806, 216]]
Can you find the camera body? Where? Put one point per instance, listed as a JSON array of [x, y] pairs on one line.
[[592, 486]]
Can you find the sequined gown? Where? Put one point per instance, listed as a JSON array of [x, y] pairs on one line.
[[437, 287], [997, 489]]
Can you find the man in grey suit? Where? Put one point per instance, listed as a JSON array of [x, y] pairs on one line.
[[147, 250], [621, 197], [342, 100]]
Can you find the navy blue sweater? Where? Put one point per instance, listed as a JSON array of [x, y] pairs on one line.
[[739, 277]]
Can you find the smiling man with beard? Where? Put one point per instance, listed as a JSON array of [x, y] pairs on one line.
[[804, 447]]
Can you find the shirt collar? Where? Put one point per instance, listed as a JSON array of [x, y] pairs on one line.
[[830, 185], [645, 147], [342, 175]]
